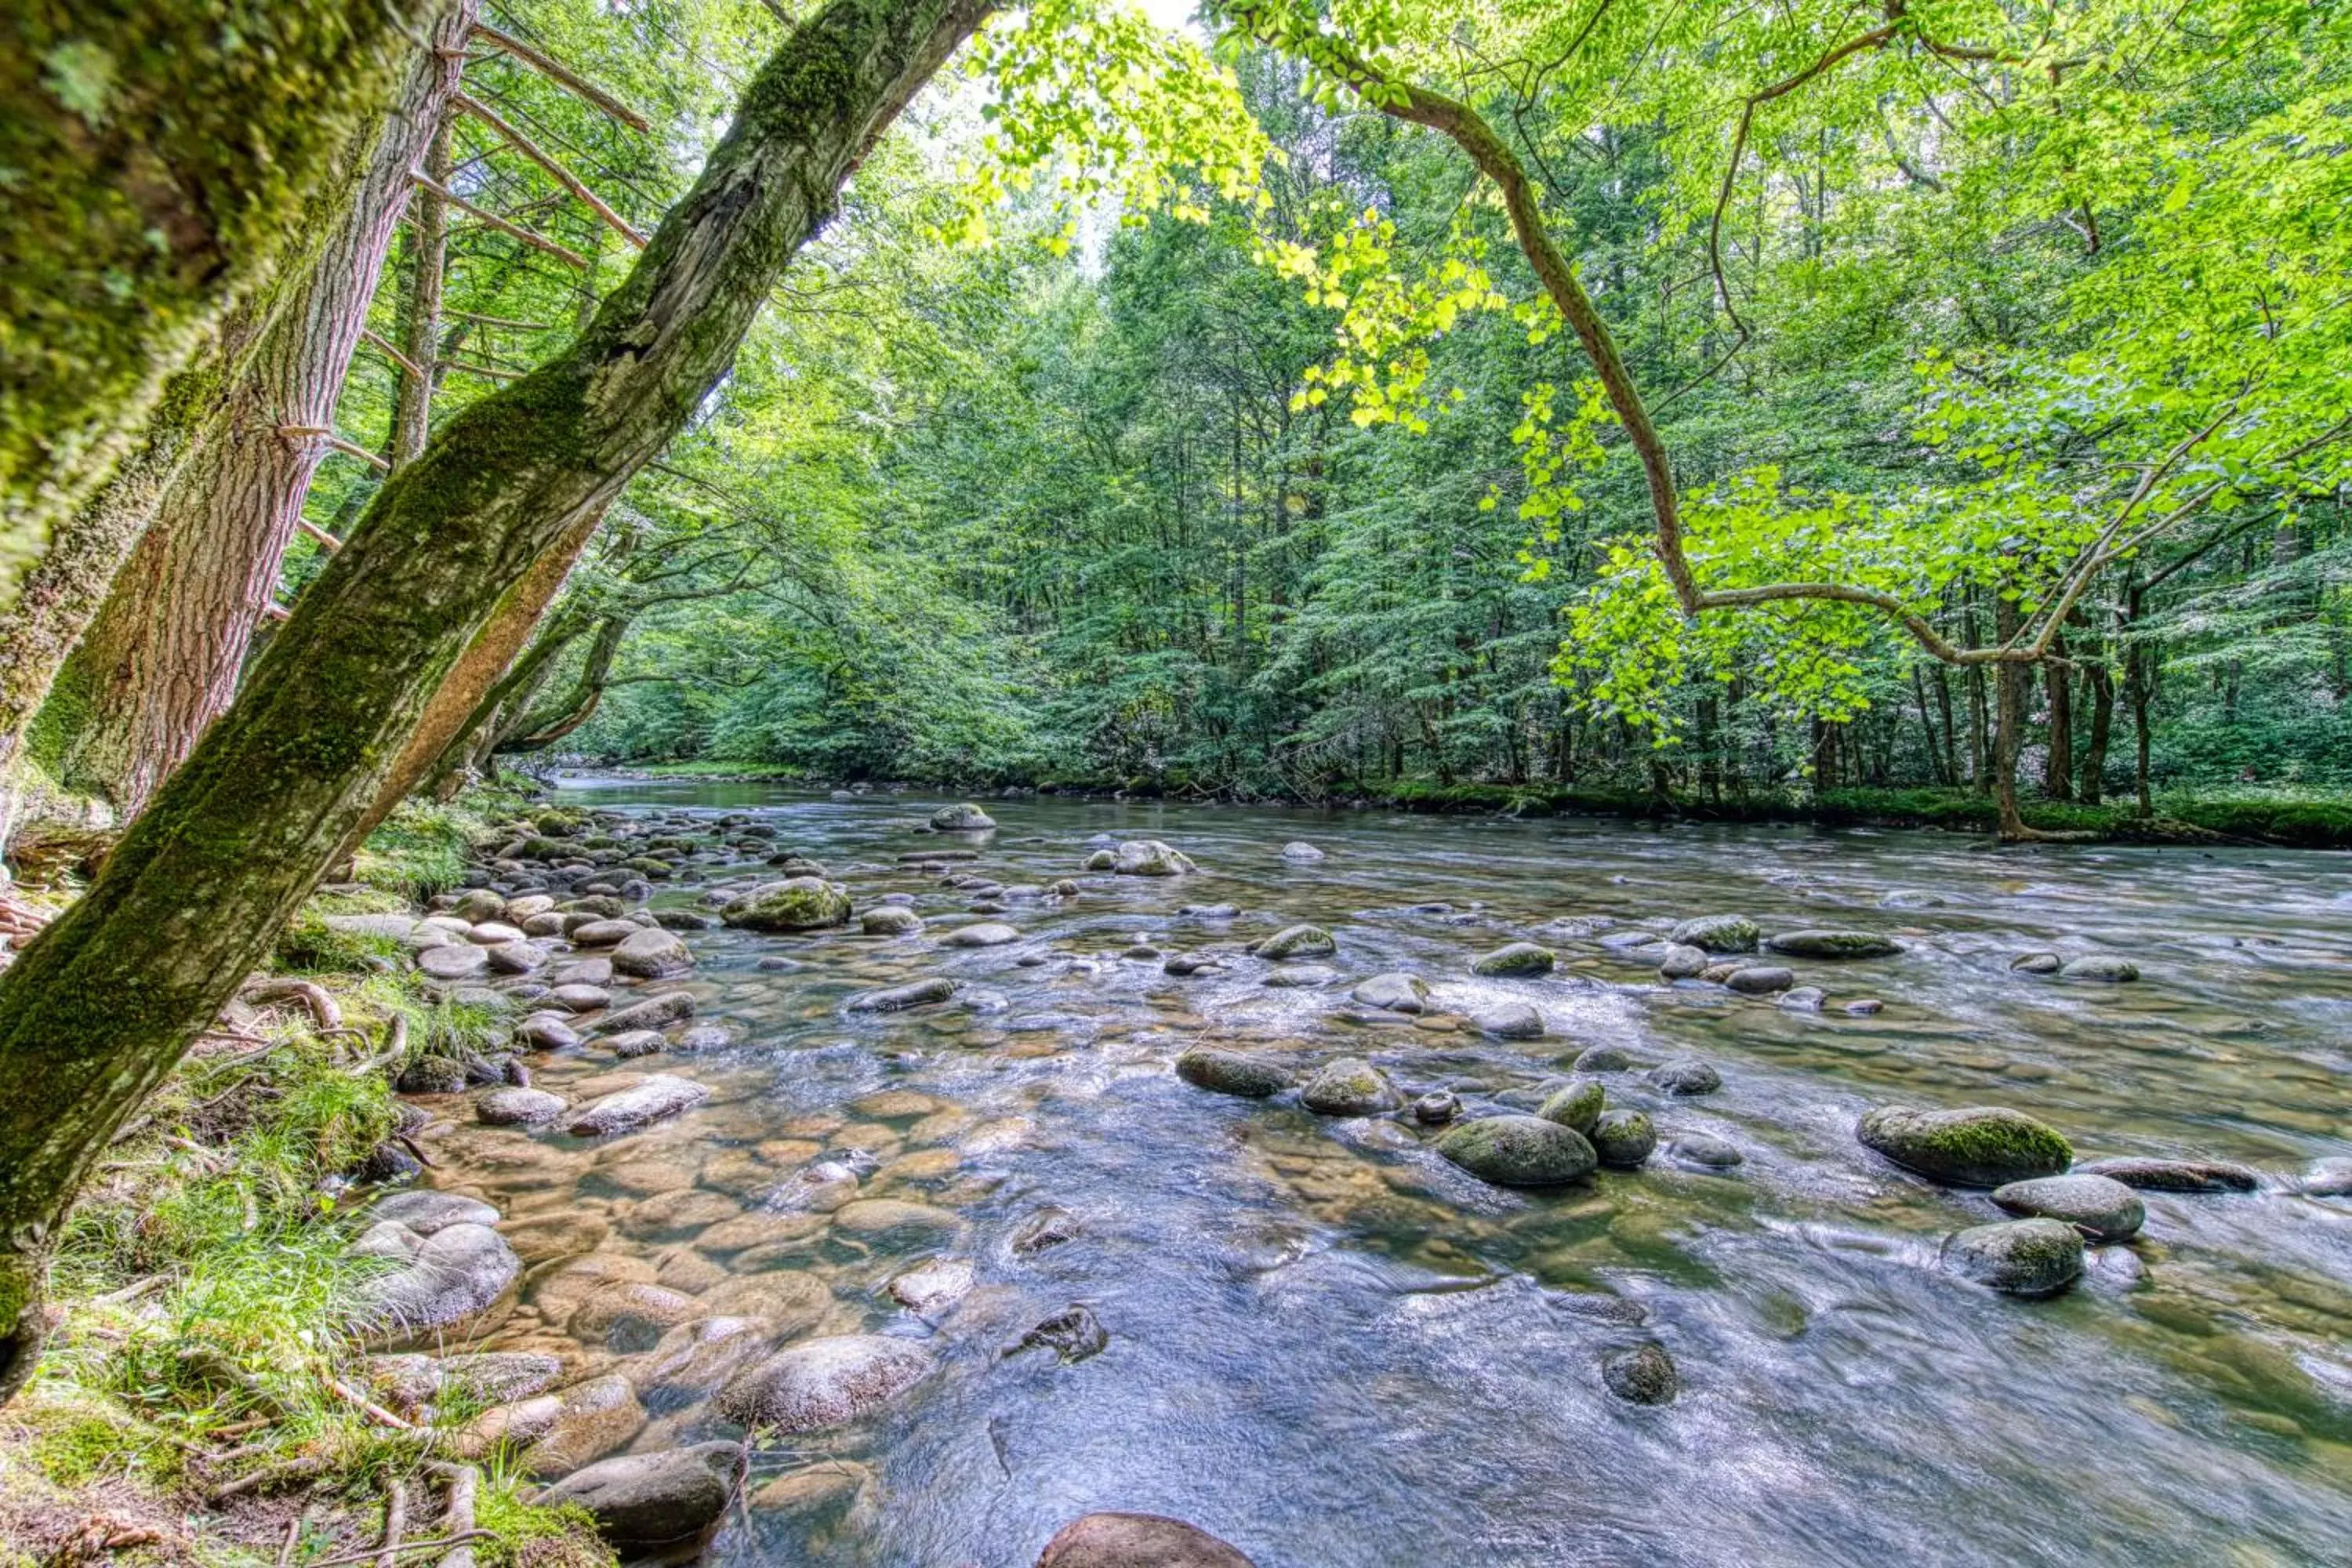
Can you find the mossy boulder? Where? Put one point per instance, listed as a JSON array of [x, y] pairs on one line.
[[963, 818], [2021, 1257], [1623, 1139], [1297, 942], [1717, 933], [1578, 1106], [1232, 1072], [1823, 943], [1514, 959], [797, 903], [1150, 857], [1349, 1086], [1514, 1151], [1978, 1146]]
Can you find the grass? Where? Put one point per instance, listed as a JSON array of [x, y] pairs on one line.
[[204, 1278]]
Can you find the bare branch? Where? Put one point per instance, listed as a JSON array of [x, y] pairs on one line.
[[408, 367], [535, 241], [334, 443], [547, 161], [556, 70]]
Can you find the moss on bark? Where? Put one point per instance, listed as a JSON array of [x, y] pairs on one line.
[[101, 1005]]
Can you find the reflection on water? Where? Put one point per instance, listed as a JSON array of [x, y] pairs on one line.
[[1334, 1349]]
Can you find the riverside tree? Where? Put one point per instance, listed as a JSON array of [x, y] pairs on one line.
[[105, 1000]]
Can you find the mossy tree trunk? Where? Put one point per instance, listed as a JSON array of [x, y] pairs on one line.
[[101, 1005], [161, 155], [161, 659]]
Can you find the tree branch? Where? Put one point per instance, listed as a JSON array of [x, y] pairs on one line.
[[545, 160], [556, 70], [501, 224]]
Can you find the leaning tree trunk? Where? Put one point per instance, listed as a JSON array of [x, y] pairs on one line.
[[428, 244], [463, 702], [102, 1004], [161, 660], [161, 155]]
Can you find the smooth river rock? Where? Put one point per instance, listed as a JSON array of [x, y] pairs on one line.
[[1394, 993], [2099, 966], [442, 1278], [1641, 1374], [796, 903], [1150, 857], [1825, 944], [1514, 959], [962, 817], [518, 1108], [652, 956], [653, 1013], [1349, 1086], [988, 933], [640, 1105], [1623, 1139], [2174, 1175], [1232, 1072], [1297, 942], [1685, 1075], [1978, 1146], [2100, 1207], [1137, 1541], [1514, 1150], [898, 998], [889, 919], [824, 1382], [2022, 1256], [645, 1501], [1717, 933]]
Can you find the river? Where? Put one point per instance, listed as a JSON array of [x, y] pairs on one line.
[[1334, 1349]]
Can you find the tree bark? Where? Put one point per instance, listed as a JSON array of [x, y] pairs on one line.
[[428, 248], [2009, 724], [459, 706], [163, 154], [102, 1004], [2058, 768], [161, 660], [2102, 720]]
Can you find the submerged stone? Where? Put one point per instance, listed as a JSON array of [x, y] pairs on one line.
[[1394, 993], [642, 1501], [825, 1382], [1137, 1541], [1642, 1374], [2174, 1175]]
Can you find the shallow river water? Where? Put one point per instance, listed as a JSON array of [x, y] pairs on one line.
[[1336, 1351]]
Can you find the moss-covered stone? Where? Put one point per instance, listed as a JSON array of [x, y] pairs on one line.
[[2022, 1256], [1516, 960], [1717, 933], [1578, 1106], [1821, 943], [1349, 1086], [1297, 942], [1232, 1072], [1514, 1150], [1623, 1139], [797, 903], [1978, 1146]]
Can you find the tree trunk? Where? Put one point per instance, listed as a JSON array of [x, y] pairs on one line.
[[459, 706], [2058, 768], [160, 661], [102, 1004], [428, 250], [161, 155], [2103, 718], [2008, 722], [1951, 740]]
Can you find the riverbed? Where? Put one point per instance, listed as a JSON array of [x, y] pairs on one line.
[[1333, 1348]]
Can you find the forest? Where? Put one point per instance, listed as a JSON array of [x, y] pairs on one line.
[[1884, 415]]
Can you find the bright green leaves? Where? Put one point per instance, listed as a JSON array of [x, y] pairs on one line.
[[1091, 103]]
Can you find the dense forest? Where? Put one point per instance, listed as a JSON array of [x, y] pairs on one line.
[[1917, 410]]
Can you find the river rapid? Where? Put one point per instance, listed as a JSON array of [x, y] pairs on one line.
[[1335, 1350]]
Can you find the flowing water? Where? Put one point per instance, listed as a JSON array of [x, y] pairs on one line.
[[1336, 1351]]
